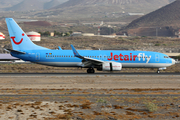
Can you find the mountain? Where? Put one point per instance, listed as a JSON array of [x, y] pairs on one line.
[[168, 15], [27, 5], [9, 3], [164, 19], [51, 4], [105, 8], [122, 3]]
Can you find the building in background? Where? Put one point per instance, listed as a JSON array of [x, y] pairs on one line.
[[7, 57], [2, 36], [76, 34], [139, 14], [52, 34], [88, 34], [34, 36]]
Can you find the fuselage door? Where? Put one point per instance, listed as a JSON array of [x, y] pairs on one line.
[[157, 58], [37, 56]]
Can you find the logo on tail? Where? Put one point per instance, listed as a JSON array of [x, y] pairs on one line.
[[17, 43]]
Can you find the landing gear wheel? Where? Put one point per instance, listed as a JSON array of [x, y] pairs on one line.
[[158, 71], [90, 70]]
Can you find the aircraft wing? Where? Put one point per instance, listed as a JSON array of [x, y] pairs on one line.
[[86, 60]]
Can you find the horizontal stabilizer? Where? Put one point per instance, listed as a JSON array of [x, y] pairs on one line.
[[15, 51]]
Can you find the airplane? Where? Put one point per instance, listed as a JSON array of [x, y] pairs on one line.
[[102, 60]]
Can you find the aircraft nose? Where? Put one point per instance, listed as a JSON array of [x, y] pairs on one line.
[[173, 61]]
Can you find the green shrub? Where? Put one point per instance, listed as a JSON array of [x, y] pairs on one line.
[[101, 101], [177, 57], [151, 106], [157, 44]]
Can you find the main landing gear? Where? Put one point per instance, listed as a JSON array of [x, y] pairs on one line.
[[158, 71], [90, 70]]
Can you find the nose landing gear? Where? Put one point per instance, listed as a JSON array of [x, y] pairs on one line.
[[90, 70], [158, 71]]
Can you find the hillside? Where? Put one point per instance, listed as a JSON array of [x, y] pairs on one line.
[[80, 9], [9, 3], [113, 2], [165, 19], [51, 4], [103, 8], [168, 15], [27, 5]]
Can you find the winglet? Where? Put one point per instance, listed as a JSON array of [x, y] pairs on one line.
[[75, 51]]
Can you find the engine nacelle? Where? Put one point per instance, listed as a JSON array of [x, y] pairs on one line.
[[111, 66]]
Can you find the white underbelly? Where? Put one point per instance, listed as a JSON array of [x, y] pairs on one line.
[[145, 65], [124, 65], [62, 64]]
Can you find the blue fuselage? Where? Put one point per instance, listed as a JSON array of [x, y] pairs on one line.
[[66, 58]]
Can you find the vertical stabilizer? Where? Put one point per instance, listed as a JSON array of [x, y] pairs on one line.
[[19, 40]]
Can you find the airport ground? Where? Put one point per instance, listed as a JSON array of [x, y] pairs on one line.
[[35, 92], [35, 68]]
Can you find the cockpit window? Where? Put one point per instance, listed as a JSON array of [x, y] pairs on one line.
[[166, 57]]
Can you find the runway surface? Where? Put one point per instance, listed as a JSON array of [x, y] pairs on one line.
[[83, 74], [95, 95], [88, 81]]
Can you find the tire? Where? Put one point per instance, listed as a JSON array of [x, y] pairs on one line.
[[90, 70]]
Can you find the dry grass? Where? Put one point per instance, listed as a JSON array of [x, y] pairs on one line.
[[115, 107]]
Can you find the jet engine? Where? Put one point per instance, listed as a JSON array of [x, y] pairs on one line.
[[110, 66]]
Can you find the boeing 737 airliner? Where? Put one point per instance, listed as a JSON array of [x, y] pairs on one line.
[[102, 60]]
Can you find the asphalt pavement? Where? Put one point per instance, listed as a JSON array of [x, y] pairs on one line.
[[82, 74]]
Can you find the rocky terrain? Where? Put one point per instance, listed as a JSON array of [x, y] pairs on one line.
[[93, 107], [74, 9], [94, 97], [103, 8], [26, 5], [112, 2], [164, 20]]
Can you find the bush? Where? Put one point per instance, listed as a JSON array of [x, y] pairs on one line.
[[151, 107], [101, 101], [177, 57], [157, 44]]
